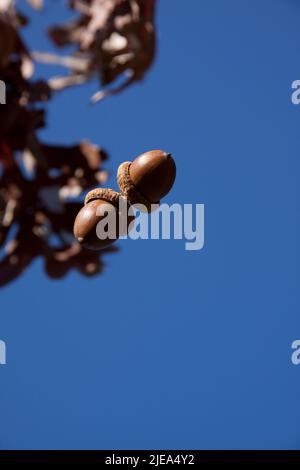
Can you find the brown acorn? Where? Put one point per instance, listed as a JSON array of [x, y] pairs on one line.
[[148, 178], [99, 203], [144, 181]]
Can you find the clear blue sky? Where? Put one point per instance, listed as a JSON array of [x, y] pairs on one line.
[[169, 348]]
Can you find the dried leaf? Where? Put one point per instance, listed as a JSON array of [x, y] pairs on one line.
[[37, 4], [39, 191]]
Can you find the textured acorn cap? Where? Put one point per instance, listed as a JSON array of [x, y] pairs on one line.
[[128, 189], [106, 194]]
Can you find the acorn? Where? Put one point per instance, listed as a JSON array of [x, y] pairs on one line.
[[98, 204], [144, 181], [148, 178]]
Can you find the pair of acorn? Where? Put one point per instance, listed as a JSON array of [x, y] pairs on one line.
[[145, 181]]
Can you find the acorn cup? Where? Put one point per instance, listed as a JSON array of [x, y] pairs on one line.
[[144, 181]]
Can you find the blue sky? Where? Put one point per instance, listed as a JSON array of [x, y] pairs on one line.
[[170, 348]]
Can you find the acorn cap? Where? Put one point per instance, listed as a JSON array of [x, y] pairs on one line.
[[148, 178], [128, 189], [105, 194]]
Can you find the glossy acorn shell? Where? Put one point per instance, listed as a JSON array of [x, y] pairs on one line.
[[86, 223], [153, 174], [85, 226]]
